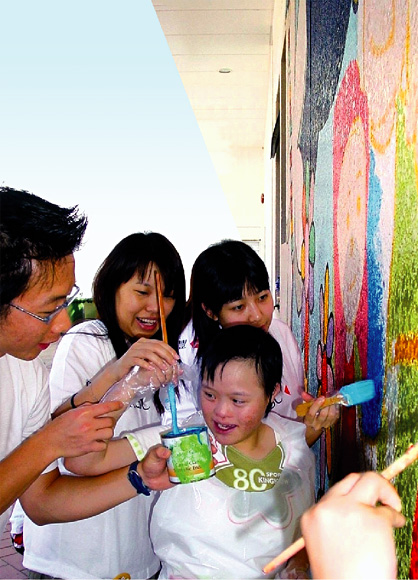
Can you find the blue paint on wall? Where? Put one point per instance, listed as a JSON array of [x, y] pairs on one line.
[[371, 411]]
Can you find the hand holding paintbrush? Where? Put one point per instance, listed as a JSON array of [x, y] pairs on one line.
[[354, 394], [390, 472], [146, 365], [349, 533]]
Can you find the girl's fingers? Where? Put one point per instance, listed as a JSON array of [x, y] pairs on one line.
[[320, 418], [153, 350], [316, 406]]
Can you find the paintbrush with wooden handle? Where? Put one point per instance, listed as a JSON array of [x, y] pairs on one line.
[[171, 385], [350, 395], [161, 306], [390, 472]]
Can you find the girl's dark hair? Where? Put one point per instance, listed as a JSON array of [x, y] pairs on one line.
[[221, 274], [134, 254], [245, 343]]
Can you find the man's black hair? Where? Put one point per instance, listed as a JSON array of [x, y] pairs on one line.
[[32, 230]]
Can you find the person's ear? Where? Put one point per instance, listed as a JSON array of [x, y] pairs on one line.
[[209, 313], [276, 391]]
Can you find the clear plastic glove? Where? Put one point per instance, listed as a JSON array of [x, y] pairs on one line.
[[141, 383], [194, 420], [186, 397]]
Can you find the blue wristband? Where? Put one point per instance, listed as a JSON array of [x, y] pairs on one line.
[[136, 480]]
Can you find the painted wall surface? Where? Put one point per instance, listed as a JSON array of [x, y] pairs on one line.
[[352, 191]]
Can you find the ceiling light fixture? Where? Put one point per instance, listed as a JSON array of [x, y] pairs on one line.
[[225, 70]]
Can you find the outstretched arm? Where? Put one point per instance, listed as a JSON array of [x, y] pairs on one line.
[[78, 431], [118, 453], [348, 534], [54, 498]]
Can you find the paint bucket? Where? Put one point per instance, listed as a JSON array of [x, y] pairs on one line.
[[191, 455]]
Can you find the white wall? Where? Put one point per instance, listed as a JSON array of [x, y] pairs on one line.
[[272, 239], [242, 179]]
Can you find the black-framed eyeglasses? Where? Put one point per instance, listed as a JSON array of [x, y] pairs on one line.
[[47, 319]]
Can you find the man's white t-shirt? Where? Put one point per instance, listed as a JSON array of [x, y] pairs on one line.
[[24, 405]]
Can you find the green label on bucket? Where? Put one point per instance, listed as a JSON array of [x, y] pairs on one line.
[[191, 457]]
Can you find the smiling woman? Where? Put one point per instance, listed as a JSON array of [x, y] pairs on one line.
[[128, 326]]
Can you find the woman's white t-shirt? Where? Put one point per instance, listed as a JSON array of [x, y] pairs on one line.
[[117, 540]]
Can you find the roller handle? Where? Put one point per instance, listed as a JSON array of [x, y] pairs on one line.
[[303, 408]]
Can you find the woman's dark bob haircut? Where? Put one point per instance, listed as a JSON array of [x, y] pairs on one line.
[[221, 274]]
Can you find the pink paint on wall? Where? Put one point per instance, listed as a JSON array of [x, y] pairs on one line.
[[350, 183]]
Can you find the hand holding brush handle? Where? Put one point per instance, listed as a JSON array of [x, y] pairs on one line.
[[303, 408], [390, 472], [354, 394], [349, 533]]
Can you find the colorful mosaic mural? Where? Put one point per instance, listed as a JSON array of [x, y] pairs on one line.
[[352, 174]]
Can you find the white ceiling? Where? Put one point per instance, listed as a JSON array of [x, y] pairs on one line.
[[207, 35]]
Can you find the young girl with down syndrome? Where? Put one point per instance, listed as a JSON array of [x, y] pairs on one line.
[[233, 524]]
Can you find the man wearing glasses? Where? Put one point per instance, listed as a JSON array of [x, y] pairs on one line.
[[37, 283], [47, 319]]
